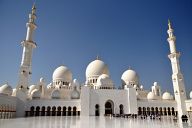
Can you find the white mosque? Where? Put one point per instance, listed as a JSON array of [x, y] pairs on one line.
[[98, 96]]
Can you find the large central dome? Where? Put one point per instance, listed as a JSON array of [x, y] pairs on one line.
[[62, 73], [96, 68]]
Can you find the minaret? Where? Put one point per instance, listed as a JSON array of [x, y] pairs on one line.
[[28, 45], [177, 77]]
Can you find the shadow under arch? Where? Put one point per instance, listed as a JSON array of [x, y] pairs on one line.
[[109, 107]]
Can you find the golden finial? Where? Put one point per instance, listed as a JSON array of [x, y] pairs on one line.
[[129, 68], [97, 57], [33, 8], [169, 24]]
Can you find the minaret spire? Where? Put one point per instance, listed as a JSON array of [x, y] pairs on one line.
[[28, 45], [177, 76]]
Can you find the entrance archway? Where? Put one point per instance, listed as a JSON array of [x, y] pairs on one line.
[[121, 109], [96, 110], [109, 105]]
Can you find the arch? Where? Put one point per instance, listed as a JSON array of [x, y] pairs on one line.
[[169, 111], [109, 107], [148, 111], [48, 111], [139, 111], [43, 111], [64, 111], [144, 111], [121, 109], [32, 111], [173, 111], [156, 111], [165, 111], [69, 111], [59, 111], [97, 113], [152, 111], [37, 111], [74, 111], [53, 111], [160, 111]]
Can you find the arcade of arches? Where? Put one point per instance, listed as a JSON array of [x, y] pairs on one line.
[[162, 111], [7, 111], [52, 111]]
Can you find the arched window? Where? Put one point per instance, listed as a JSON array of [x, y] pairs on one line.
[[161, 111]]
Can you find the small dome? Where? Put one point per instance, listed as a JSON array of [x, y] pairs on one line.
[[55, 94], [155, 84], [41, 80], [75, 94], [130, 77], [141, 87], [104, 81], [96, 68], [151, 96], [190, 95], [75, 82], [167, 96], [6, 89], [62, 73], [36, 94]]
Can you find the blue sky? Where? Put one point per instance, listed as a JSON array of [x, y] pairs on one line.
[[73, 32]]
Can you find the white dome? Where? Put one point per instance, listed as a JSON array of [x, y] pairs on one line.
[[96, 68], [167, 96], [104, 81], [6, 89], [190, 95], [130, 77], [62, 73], [151, 96], [55, 94], [75, 94], [36, 94]]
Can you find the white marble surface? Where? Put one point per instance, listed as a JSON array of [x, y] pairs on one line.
[[88, 122]]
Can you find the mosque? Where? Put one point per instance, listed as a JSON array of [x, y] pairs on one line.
[[98, 96]]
